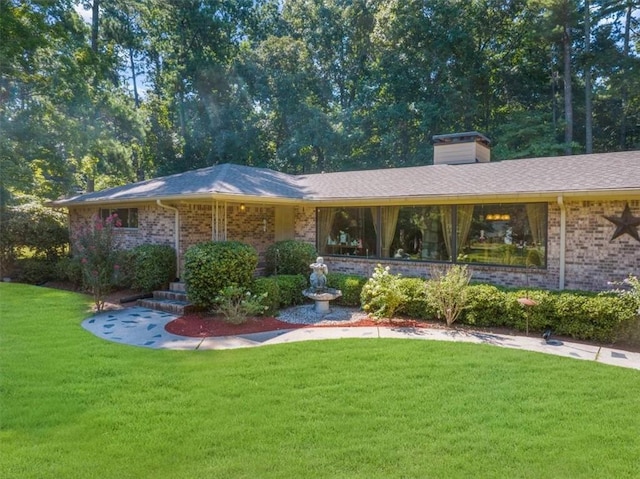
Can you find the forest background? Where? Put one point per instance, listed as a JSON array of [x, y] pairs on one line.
[[143, 88]]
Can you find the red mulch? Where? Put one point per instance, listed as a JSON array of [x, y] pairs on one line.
[[201, 325]]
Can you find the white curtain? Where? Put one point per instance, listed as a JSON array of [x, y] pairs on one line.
[[464, 217], [447, 227], [537, 224], [389, 218], [325, 223]]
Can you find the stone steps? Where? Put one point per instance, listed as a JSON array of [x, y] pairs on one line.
[[173, 301]]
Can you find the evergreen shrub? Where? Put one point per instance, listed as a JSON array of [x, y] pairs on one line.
[[351, 286], [212, 266], [153, 266], [291, 287], [289, 257]]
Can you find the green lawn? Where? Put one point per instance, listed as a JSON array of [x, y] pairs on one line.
[[75, 406]]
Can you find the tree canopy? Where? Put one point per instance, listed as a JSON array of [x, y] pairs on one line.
[[153, 87]]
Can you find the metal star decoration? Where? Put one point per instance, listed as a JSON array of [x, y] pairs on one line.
[[625, 224]]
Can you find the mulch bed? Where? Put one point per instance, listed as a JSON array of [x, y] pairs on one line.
[[201, 325]]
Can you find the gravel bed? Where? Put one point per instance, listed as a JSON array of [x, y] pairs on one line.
[[306, 314]]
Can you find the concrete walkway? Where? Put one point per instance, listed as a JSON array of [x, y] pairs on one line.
[[145, 327]]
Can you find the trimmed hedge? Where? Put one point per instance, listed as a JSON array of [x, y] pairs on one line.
[[580, 315], [350, 285], [289, 257], [213, 265]]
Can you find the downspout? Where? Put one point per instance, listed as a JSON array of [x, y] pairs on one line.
[[176, 233], [563, 241]]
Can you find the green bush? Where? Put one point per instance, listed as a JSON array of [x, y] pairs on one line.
[[351, 286], [41, 230], [69, 269], [486, 306], [289, 257], [212, 266], [35, 270], [236, 304], [270, 287], [447, 291], [291, 287], [154, 266], [381, 295], [416, 304]]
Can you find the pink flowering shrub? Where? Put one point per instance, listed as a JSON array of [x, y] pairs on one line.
[[97, 247]]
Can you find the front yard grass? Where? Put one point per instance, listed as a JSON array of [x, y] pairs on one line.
[[73, 405]]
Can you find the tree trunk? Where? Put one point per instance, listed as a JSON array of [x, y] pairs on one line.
[[624, 94], [568, 95], [588, 108]]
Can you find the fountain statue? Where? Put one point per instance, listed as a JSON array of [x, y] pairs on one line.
[[318, 290]]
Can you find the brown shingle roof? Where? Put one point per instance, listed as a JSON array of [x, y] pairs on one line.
[[579, 174]]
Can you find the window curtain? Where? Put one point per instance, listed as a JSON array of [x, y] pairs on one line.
[[325, 223], [464, 217], [537, 224], [389, 218], [446, 214]]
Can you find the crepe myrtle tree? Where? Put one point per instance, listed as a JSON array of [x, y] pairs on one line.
[[97, 247]]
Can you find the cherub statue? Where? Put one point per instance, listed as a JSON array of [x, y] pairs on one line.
[[318, 276]]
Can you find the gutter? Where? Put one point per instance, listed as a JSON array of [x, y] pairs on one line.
[[563, 241], [176, 233]]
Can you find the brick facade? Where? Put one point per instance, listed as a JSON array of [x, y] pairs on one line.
[[591, 259]]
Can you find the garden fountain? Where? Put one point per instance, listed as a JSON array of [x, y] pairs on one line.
[[318, 290]]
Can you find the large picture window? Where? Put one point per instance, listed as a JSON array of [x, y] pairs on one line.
[[419, 234], [347, 231], [506, 234], [128, 216], [499, 234]]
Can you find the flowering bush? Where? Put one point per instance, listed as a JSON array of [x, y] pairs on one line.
[[629, 290], [97, 248], [236, 303], [382, 295]]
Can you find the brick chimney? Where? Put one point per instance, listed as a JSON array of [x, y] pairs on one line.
[[461, 148]]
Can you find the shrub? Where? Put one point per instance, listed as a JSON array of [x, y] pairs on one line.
[[416, 303], [35, 270], [270, 288], [154, 266], [527, 318], [447, 291], [33, 226], [486, 306], [97, 249], [381, 295], [291, 287], [236, 303], [351, 286], [290, 257], [212, 266], [69, 269]]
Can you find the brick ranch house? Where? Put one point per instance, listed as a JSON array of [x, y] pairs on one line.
[[559, 222]]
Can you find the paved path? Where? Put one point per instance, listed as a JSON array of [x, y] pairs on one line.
[[144, 327]]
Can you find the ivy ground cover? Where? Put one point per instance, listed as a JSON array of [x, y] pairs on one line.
[[72, 405]]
